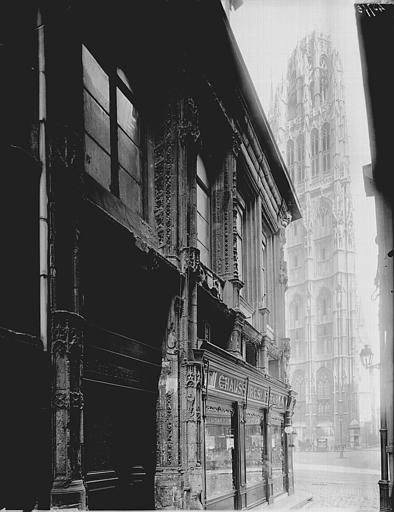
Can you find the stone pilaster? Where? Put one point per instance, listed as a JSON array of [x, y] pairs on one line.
[[235, 342], [289, 442], [68, 490], [267, 458]]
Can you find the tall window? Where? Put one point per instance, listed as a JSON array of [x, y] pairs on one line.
[[323, 384], [115, 149], [300, 95], [296, 312], [300, 158], [326, 147], [203, 213], [323, 78], [240, 238], [290, 158], [315, 152], [324, 306]]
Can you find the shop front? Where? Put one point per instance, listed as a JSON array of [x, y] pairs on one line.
[[245, 446]]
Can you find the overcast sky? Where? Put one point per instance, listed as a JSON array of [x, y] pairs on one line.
[[267, 31]]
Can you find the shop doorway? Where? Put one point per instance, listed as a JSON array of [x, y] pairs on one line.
[[126, 313]]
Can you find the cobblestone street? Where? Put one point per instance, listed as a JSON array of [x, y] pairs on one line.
[[349, 484]]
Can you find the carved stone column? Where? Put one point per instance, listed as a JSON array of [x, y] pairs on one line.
[[289, 442], [267, 458], [235, 342], [264, 354], [68, 490], [194, 435]]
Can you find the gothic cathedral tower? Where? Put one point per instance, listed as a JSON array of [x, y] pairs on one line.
[[309, 121]]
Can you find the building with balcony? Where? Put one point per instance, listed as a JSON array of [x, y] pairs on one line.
[[308, 118], [143, 333]]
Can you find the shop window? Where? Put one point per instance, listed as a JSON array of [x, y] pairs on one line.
[[203, 213], [315, 152], [290, 158], [115, 139], [254, 447], [326, 164], [219, 446]]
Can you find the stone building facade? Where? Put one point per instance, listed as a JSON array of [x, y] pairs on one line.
[[309, 120], [374, 27], [144, 335]]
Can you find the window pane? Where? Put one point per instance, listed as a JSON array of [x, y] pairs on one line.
[[202, 203], [127, 116], [201, 171], [130, 191], [239, 258], [97, 162], [129, 155], [203, 233], [95, 79], [254, 448], [204, 254], [219, 446], [96, 122]]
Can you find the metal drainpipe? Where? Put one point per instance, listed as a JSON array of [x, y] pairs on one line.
[[43, 195]]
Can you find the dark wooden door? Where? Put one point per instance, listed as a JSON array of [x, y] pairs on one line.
[[119, 447]]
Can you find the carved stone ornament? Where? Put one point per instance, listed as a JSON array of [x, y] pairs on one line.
[[189, 128], [190, 258], [236, 143]]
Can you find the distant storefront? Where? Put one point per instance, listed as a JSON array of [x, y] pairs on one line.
[[246, 448]]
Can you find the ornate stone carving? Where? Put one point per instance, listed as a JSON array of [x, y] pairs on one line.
[[165, 158], [190, 260], [67, 400], [235, 342], [236, 143], [189, 128], [211, 282]]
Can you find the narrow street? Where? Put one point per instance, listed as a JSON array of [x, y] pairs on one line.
[[348, 484]]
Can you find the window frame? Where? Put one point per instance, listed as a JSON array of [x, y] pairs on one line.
[[326, 160], [206, 190], [115, 82]]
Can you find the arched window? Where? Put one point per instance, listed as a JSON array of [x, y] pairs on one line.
[[323, 79], [300, 158], [324, 306], [290, 158], [326, 147], [300, 95], [292, 97], [315, 152], [203, 213], [296, 312], [323, 384]]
